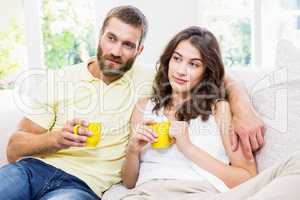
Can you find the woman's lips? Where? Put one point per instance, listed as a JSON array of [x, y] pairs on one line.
[[179, 80]]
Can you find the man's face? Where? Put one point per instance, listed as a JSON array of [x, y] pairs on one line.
[[118, 47]]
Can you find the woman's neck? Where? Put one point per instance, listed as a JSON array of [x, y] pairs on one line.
[[177, 100]]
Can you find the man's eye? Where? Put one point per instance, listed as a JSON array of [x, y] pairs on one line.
[[111, 38], [128, 46]]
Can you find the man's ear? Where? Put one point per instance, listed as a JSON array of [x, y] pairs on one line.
[[141, 48]]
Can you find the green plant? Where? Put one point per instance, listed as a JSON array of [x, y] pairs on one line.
[[67, 38], [236, 43]]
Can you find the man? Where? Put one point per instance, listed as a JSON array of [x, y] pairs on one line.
[[49, 161]]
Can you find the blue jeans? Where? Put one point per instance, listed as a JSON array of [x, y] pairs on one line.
[[32, 179]]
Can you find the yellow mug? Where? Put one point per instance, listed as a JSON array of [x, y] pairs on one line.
[[95, 129], [163, 138]]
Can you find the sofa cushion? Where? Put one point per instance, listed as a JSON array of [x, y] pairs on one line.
[[288, 58], [279, 105], [116, 191]]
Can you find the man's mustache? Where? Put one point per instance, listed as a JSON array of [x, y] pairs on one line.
[[113, 58]]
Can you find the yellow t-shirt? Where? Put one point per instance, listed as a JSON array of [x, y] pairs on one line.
[[75, 93]]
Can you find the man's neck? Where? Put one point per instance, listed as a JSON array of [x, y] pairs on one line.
[[94, 69]]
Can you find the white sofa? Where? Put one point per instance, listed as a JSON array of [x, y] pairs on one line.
[[10, 115], [274, 93]]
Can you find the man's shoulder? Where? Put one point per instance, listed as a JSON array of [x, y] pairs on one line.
[[70, 73], [54, 79], [143, 72], [144, 67], [143, 77]]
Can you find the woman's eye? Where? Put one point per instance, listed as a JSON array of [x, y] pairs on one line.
[[176, 58], [194, 65]]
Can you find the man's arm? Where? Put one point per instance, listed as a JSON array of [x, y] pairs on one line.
[[249, 128], [32, 139]]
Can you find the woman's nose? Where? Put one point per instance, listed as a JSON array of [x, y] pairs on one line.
[[182, 69]]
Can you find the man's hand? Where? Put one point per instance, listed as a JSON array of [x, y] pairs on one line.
[[249, 130], [66, 138]]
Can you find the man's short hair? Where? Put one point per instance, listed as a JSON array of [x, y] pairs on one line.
[[129, 15]]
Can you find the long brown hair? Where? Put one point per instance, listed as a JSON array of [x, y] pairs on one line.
[[211, 86]]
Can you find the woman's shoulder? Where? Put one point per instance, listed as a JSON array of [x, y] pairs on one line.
[[142, 103], [146, 106]]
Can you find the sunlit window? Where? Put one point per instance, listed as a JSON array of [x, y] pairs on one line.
[[231, 24], [68, 31], [281, 20], [289, 25]]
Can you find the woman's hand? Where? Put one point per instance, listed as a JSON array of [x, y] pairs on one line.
[[180, 134], [142, 134]]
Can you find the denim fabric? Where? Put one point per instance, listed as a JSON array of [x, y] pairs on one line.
[[32, 179]]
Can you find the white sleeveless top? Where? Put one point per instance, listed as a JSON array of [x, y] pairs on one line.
[[172, 164]]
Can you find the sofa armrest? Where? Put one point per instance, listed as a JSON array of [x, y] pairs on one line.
[[10, 115]]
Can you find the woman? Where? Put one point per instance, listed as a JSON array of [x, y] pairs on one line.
[[187, 90]]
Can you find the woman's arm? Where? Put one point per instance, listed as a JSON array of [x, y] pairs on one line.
[[139, 137], [130, 169], [238, 160], [240, 169]]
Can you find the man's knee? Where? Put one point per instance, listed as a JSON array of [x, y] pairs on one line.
[[11, 172], [14, 183]]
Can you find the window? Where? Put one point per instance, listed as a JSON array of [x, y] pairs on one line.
[[231, 24], [13, 55], [248, 30], [289, 26], [68, 31], [280, 21]]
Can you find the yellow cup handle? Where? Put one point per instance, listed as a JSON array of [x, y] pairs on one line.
[[75, 129]]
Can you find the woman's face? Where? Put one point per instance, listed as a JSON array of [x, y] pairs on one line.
[[185, 68]]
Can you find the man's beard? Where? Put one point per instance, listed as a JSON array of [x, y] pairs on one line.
[[110, 71]]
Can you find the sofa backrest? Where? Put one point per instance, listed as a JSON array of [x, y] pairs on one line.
[[275, 94]]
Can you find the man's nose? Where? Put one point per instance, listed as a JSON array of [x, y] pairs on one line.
[[116, 50]]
